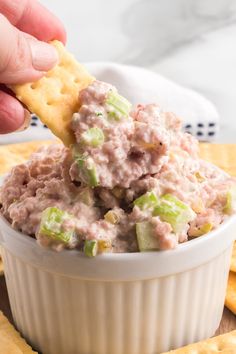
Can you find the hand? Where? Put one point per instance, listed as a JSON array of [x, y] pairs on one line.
[[25, 26]]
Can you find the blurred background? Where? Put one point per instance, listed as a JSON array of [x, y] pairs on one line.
[[191, 42]]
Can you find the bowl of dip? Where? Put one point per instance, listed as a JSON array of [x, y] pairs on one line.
[[122, 242], [145, 302]]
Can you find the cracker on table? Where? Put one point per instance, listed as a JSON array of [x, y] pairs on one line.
[[226, 343], [10, 340], [230, 300], [233, 259], [54, 98], [222, 155], [15, 154]]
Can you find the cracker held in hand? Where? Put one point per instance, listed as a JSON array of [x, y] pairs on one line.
[[10, 340], [230, 300], [226, 343], [54, 98]]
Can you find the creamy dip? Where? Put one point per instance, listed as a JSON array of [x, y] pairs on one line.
[[132, 182]]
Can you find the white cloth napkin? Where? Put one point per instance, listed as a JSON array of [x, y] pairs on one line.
[[139, 85]]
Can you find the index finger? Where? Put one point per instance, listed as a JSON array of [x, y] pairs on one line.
[[31, 17]]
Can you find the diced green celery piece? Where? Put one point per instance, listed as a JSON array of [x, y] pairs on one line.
[[88, 170], [51, 225], [174, 211], [203, 229], [230, 205], [86, 196], [91, 248], [93, 137], [113, 115], [111, 217], [92, 175], [145, 238], [147, 201], [120, 105]]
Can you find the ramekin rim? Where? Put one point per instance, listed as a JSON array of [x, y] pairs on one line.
[[183, 247]]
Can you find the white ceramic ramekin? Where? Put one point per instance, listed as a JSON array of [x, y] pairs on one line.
[[136, 303]]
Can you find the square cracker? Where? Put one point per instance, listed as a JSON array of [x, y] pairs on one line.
[[226, 343], [222, 155], [10, 340], [233, 259], [54, 98], [15, 154], [230, 300]]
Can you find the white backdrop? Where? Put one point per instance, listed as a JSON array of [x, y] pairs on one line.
[[192, 42]]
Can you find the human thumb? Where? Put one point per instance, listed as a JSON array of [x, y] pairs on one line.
[[23, 58]]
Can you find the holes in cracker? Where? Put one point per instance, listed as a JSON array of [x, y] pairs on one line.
[[76, 80], [34, 85], [63, 91], [49, 103], [221, 347]]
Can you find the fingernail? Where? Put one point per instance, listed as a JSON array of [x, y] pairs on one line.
[[26, 123], [44, 56]]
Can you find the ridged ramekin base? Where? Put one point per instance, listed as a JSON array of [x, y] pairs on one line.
[[67, 315]]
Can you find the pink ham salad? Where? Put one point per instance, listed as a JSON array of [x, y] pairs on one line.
[[132, 182]]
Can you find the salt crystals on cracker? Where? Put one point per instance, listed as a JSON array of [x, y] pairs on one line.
[[54, 98]]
